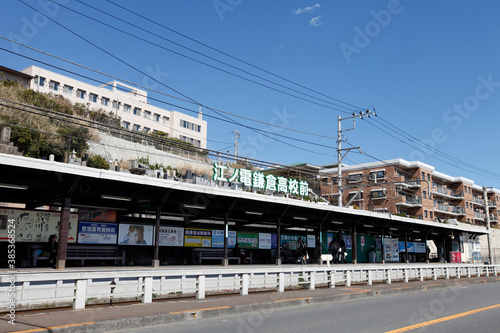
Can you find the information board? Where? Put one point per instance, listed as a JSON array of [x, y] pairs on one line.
[[171, 236], [97, 233]]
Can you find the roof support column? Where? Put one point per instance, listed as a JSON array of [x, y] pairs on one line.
[[354, 243], [156, 259], [62, 245], [278, 236], [407, 259], [225, 261]]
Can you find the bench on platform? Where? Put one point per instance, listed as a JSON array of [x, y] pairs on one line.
[[218, 254], [82, 253]]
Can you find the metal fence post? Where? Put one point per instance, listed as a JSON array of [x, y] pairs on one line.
[[388, 276], [434, 273], [244, 284], [312, 282], [370, 281], [200, 287], [281, 282], [80, 294], [406, 274], [331, 283], [148, 290]]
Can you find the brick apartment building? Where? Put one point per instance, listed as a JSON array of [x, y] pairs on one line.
[[413, 189]]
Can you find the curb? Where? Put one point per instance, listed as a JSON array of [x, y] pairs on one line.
[[245, 309]]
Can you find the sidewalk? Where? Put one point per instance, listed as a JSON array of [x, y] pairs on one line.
[[117, 317]]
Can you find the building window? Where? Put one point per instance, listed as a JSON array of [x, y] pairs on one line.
[[378, 194], [137, 111], [137, 127], [156, 117], [147, 129], [126, 124], [147, 114], [431, 214], [40, 81], [423, 175], [424, 194], [93, 98], [105, 101], [68, 90], [377, 174], [126, 108], [357, 177], [80, 94], [165, 120], [198, 143], [425, 213], [429, 177], [116, 105], [53, 85]]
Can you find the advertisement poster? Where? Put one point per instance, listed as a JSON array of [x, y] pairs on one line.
[[274, 241], [348, 241], [420, 247], [135, 234], [289, 242], [264, 241], [97, 233], [329, 238], [387, 249], [171, 236], [456, 257], [248, 240], [197, 238], [35, 225], [311, 241], [96, 215], [395, 250], [217, 238]]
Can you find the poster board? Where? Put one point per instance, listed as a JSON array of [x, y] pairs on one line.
[[135, 234], [171, 236], [96, 215], [197, 238], [36, 225], [264, 241], [248, 240], [97, 233]]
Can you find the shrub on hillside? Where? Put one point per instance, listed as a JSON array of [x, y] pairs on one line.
[[98, 162]]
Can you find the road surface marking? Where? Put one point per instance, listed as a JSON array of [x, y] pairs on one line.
[[440, 320], [205, 309], [292, 299], [55, 327]]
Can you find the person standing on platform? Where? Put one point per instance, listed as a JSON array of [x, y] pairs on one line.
[[52, 249]]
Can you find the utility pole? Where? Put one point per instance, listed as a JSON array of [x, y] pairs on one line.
[[340, 157], [236, 145], [487, 212]]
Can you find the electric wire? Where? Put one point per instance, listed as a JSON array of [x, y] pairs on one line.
[[161, 83]]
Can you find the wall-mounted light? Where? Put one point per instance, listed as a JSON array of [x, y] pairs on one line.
[[250, 212], [194, 206], [14, 187], [337, 222], [367, 225], [395, 229], [300, 218], [114, 197]]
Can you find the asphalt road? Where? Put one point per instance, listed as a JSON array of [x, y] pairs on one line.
[[473, 308]]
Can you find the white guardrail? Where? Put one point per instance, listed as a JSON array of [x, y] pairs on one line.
[[77, 288]]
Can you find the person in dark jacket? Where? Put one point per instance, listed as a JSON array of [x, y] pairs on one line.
[[52, 249], [342, 250]]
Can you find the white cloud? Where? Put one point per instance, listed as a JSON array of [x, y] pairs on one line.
[[306, 9], [315, 21]]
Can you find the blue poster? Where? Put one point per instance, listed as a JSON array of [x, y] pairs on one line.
[[218, 239], [97, 233], [274, 241]]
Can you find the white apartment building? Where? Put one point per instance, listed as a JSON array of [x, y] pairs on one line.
[[127, 102]]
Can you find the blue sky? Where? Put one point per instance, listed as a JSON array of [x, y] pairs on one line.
[[430, 69]]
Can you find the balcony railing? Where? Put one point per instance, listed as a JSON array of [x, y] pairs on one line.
[[478, 201], [449, 209], [479, 216], [447, 192]]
